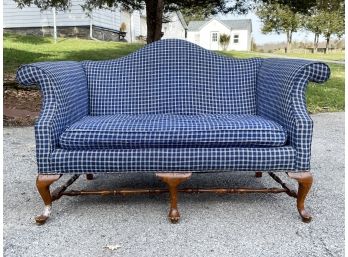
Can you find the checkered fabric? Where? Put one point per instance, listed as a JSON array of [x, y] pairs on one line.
[[65, 95], [173, 87], [124, 131], [172, 76], [173, 159], [281, 88]]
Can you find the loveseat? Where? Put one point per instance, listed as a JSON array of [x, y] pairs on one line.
[[173, 108]]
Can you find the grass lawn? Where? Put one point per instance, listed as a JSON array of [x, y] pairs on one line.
[[330, 95], [327, 97], [26, 49], [332, 56]]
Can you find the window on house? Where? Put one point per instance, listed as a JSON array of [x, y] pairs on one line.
[[236, 39], [214, 37]]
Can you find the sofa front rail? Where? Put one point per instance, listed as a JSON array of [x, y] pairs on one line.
[[173, 180]]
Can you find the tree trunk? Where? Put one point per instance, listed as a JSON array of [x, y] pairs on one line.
[[154, 15], [288, 41], [316, 43], [327, 44]]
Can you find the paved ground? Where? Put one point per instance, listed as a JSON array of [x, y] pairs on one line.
[[211, 225]]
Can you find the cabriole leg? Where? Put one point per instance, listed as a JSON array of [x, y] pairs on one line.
[[258, 174], [305, 180], [43, 183], [89, 176], [173, 180]]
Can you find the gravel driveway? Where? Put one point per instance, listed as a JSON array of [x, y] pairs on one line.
[[211, 225]]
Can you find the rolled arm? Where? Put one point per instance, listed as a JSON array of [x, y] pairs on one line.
[[281, 88], [65, 100]]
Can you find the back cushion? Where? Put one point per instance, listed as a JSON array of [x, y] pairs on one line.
[[172, 76]]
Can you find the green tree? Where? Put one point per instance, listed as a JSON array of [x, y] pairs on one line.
[[305, 6], [155, 9], [279, 18], [253, 45], [327, 19], [340, 44], [197, 13], [313, 23], [333, 25]]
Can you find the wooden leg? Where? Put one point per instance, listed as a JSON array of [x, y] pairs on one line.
[[258, 174], [43, 183], [173, 180], [89, 176], [305, 180]]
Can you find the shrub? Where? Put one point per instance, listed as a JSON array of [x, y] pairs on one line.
[[224, 41], [123, 27]]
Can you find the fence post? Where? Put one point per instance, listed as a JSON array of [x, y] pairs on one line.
[[54, 25]]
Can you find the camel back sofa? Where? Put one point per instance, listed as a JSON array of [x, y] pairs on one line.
[[173, 108]]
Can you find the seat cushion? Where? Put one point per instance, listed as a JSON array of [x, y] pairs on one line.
[[125, 131]]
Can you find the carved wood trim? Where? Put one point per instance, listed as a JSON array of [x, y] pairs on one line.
[[43, 183], [305, 181], [258, 174], [173, 180]]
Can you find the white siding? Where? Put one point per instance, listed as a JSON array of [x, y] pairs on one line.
[[243, 44], [143, 26], [15, 17], [173, 29], [107, 18], [194, 37], [132, 22], [75, 16], [203, 36], [136, 23]]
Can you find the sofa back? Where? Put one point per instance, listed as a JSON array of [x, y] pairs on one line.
[[172, 76]]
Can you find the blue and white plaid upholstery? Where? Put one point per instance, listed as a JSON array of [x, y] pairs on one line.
[[65, 95], [124, 131], [174, 159], [173, 106], [281, 88], [172, 76]]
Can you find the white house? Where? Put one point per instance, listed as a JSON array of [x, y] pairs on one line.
[[176, 28], [101, 23], [207, 33]]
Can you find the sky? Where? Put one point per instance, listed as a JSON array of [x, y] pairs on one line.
[[261, 38]]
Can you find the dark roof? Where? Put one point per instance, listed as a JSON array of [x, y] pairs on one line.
[[231, 24], [196, 25]]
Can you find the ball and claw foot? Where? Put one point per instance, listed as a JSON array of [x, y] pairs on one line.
[[41, 219], [173, 180]]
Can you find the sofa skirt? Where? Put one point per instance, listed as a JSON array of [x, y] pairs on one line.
[[172, 159]]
